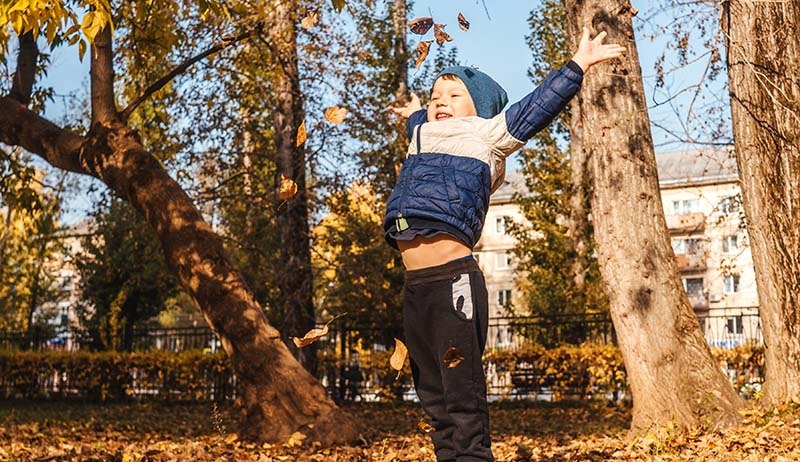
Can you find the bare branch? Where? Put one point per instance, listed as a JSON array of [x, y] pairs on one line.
[[104, 110], [22, 85], [181, 68]]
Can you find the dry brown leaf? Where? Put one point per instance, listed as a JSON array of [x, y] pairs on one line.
[[314, 334], [301, 134], [232, 438], [335, 114], [288, 188], [440, 35], [296, 439], [399, 356], [422, 51], [310, 19], [453, 357], [462, 22], [420, 25], [425, 426]]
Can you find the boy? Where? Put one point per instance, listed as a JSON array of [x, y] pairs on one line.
[[435, 215]]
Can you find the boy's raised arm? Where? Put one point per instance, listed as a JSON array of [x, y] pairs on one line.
[[536, 110]]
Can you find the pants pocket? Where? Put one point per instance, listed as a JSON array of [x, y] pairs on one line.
[[462, 297]]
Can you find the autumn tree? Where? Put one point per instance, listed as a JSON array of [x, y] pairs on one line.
[[277, 396], [547, 255], [670, 368], [30, 286], [122, 276], [763, 58]]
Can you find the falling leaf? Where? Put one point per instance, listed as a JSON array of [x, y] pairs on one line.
[[420, 25], [453, 357], [301, 134], [425, 426], [422, 50], [288, 188], [335, 114], [462, 22], [310, 19], [399, 356], [440, 35], [314, 334]]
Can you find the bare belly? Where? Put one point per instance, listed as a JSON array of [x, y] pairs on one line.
[[424, 252]]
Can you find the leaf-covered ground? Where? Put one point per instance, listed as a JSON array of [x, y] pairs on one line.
[[41, 431]]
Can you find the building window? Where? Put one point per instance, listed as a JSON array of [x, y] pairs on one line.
[[686, 206], [731, 283], [730, 244], [686, 246], [501, 224], [504, 298], [693, 286], [734, 325], [502, 260], [729, 204]]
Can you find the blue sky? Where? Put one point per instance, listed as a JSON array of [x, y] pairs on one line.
[[495, 43]]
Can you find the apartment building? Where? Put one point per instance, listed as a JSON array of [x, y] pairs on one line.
[[702, 205]]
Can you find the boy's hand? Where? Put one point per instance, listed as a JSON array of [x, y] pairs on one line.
[[410, 108], [594, 51]]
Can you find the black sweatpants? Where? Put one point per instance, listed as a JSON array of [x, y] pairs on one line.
[[446, 308]]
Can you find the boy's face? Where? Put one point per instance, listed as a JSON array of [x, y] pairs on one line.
[[449, 99]]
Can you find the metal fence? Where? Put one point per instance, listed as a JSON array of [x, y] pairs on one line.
[[727, 330], [347, 377]]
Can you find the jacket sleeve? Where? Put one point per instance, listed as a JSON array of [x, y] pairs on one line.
[[510, 130], [417, 118]]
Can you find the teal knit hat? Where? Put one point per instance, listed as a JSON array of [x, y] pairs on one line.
[[488, 96]]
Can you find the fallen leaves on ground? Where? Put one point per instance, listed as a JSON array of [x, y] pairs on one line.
[[521, 431]]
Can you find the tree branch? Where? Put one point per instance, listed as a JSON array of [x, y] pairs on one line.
[[22, 85], [160, 83], [19, 126], [104, 110]]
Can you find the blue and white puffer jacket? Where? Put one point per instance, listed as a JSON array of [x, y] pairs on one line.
[[454, 165]]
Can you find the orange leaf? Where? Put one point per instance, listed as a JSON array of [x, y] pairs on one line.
[[422, 49], [399, 356], [462, 22], [453, 357], [314, 334], [335, 114], [425, 426], [288, 188], [301, 134], [310, 19], [440, 35], [311, 336]]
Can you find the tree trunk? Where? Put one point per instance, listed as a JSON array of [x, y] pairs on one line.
[[671, 371], [277, 396], [763, 42], [296, 279]]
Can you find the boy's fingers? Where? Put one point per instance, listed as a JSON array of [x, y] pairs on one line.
[[601, 36]]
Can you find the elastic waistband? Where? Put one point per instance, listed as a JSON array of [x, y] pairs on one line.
[[441, 272]]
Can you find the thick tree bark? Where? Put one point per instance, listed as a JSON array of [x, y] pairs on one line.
[[670, 369], [296, 279], [277, 396], [763, 41]]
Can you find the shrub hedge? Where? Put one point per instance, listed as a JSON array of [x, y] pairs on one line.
[[582, 371]]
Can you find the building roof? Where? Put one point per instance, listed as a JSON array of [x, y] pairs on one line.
[[693, 167], [675, 169], [513, 183]]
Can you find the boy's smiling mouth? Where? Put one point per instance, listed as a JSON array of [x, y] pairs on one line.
[[443, 115]]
